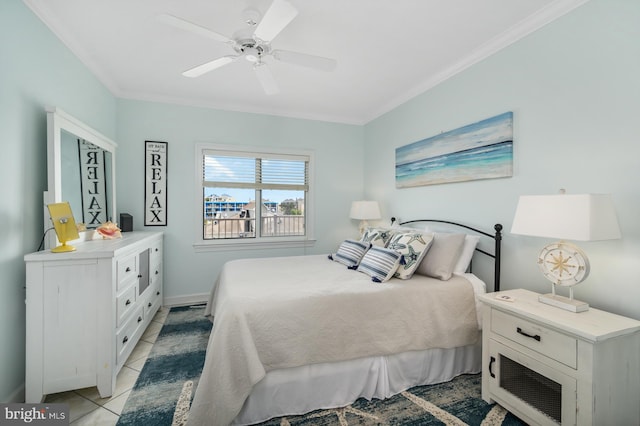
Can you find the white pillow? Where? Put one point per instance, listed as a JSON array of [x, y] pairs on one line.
[[380, 263], [413, 246], [469, 246], [442, 256]]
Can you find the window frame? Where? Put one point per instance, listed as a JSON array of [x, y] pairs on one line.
[[258, 242]]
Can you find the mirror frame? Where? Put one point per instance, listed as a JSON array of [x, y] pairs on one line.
[[57, 121]]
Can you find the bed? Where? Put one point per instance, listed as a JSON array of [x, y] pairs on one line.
[[295, 334]]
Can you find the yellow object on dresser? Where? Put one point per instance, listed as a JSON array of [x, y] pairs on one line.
[[549, 366]]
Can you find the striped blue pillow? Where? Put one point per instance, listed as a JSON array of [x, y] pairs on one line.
[[380, 263], [350, 252]]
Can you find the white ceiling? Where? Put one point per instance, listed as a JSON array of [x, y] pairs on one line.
[[387, 51]]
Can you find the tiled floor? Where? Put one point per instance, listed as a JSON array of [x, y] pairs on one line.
[[85, 405]]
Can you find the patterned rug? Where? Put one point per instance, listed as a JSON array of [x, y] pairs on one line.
[[164, 390], [171, 371]]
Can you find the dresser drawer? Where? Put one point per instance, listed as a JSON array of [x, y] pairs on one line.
[[156, 254], [127, 268], [125, 341], [125, 303], [536, 337]]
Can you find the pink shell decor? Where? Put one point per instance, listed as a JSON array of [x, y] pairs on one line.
[[109, 230]]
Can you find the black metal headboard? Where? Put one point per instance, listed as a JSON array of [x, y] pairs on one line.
[[497, 237]]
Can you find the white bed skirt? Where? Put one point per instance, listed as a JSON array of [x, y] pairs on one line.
[[303, 389]]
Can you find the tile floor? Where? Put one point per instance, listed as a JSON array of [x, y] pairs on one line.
[[85, 405]]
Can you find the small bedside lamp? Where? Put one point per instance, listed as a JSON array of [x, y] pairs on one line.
[[583, 217], [64, 225], [364, 210]]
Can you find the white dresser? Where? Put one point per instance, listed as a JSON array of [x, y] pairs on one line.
[[550, 366], [87, 309]]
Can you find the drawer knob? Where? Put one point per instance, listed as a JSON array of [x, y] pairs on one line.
[[157, 293], [149, 305], [128, 302], [139, 319], [125, 340], [128, 269], [156, 248], [139, 275], [531, 336], [157, 272]]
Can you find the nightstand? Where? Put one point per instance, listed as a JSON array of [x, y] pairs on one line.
[[550, 366]]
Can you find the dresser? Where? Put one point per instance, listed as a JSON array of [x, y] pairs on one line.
[[550, 366], [87, 309]]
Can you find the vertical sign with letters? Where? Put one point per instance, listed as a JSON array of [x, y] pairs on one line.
[[93, 182], [155, 183]]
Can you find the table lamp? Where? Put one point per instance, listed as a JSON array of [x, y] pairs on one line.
[[581, 217], [364, 211]]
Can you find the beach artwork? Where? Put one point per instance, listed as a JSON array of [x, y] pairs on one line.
[[482, 150]]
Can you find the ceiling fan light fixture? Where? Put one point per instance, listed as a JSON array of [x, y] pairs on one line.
[[251, 54]]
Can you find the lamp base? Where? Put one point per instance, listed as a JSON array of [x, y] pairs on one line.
[[562, 302]]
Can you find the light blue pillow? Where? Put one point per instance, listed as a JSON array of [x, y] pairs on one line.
[[380, 263], [350, 253]]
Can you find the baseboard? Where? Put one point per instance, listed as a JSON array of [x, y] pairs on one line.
[[186, 300]]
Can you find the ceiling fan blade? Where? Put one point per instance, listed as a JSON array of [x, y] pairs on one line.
[[209, 66], [180, 23], [279, 15], [305, 60], [266, 78]]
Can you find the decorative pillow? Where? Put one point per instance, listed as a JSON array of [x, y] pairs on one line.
[[380, 263], [413, 246], [469, 246], [442, 256], [350, 253], [377, 236]]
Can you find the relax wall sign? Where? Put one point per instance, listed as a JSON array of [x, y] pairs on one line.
[[155, 183], [93, 183]]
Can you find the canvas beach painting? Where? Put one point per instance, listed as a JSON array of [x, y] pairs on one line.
[[482, 150]]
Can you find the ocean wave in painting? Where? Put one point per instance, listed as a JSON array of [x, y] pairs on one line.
[[481, 150], [485, 162]]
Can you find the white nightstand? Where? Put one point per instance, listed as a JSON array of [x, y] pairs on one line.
[[549, 366]]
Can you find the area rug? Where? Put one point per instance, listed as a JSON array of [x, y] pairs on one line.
[[164, 390], [171, 371]]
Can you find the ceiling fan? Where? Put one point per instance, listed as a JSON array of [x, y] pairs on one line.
[[254, 43]]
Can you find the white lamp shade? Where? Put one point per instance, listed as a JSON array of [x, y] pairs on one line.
[[365, 210], [581, 217]]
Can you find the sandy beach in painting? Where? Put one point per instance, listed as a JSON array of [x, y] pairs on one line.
[[482, 150]]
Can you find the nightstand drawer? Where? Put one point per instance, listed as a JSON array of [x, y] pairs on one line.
[[536, 337]]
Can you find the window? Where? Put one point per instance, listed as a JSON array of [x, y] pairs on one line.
[[250, 197]]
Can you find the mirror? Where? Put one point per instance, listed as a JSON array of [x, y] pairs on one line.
[[81, 170]]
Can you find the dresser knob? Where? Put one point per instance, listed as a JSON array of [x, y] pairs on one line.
[[139, 319], [150, 304], [125, 340], [157, 293], [128, 269], [127, 303], [157, 272], [139, 275]]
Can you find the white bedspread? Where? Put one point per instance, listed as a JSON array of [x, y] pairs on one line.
[[285, 312]]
